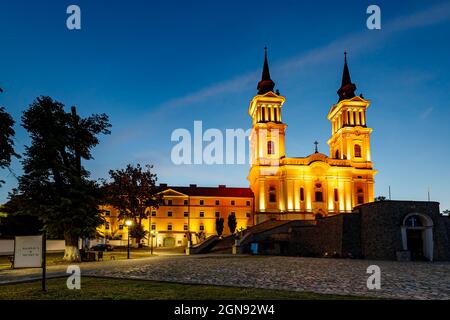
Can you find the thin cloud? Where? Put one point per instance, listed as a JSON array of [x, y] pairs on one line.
[[356, 42], [424, 115]]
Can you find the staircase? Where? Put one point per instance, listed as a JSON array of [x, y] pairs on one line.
[[225, 244]]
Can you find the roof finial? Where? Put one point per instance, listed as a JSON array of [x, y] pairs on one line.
[[317, 144]]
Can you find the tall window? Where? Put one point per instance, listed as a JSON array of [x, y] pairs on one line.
[[272, 195], [202, 202], [357, 151], [336, 195], [319, 196], [185, 202], [169, 202], [360, 199], [337, 154], [202, 214], [302, 194], [169, 227], [270, 147], [153, 226]]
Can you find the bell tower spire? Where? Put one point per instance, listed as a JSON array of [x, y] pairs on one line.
[[266, 84], [347, 89]]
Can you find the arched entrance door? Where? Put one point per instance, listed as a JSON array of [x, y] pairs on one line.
[[417, 236]]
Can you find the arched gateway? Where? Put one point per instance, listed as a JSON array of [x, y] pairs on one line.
[[417, 236]]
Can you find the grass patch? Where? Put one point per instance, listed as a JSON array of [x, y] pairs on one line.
[[123, 289]]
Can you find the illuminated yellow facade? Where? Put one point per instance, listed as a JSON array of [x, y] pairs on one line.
[[316, 185], [187, 210]]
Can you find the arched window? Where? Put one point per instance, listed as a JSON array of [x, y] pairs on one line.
[[337, 154], [302, 194], [413, 221], [357, 151], [270, 147]]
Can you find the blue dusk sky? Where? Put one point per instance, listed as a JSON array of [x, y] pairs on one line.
[[155, 66]]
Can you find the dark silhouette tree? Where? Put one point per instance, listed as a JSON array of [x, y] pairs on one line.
[[380, 198], [133, 192], [55, 186], [219, 226], [6, 142], [232, 223]]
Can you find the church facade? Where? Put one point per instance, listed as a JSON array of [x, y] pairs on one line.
[[304, 188]]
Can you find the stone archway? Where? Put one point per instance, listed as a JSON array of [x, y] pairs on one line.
[[417, 236]]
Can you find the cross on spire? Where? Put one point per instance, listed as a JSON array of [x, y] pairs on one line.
[[317, 144]]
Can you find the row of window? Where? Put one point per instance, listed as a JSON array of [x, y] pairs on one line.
[[169, 202], [201, 214], [318, 195], [357, 152], [185, 227]]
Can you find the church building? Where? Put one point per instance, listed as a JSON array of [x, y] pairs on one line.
[[303, 188]]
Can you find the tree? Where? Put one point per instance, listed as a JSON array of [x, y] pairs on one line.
[[219, 226], [6, 142], [55, 186], [380, 198], [132, 191], [446, 212], [14, 224], [232, 224]]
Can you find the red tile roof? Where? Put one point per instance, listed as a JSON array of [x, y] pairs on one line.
[[221, 191]]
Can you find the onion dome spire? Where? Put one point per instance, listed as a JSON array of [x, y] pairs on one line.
[[266, 84], [347, 89]]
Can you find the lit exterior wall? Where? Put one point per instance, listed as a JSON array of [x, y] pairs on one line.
[[348, 169]]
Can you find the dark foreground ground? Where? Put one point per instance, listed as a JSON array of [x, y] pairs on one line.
[[113, 289]]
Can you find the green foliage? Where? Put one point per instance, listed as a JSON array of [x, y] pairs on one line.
[[132, 191], [232, 223], [219, 226], [6, 142], [137, 231], [54, 185]]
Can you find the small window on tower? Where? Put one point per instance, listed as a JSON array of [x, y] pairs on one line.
[[270, 147], [357, 151]]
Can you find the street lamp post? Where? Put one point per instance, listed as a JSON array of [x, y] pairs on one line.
[[152, 234], [128, 223]]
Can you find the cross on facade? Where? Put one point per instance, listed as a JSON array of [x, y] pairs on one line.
[[413, 221]]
